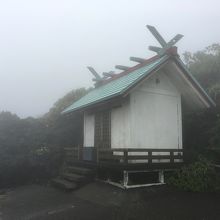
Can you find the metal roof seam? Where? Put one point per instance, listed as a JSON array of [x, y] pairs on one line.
[[114, 88], [120, 85]]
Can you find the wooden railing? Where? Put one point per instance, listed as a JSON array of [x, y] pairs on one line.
[[129, 156], [72, 153], [140, 156]]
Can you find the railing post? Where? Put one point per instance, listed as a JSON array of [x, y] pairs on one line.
[[171, 157], [78, 152], [97, 154], [126, 156], [150, 156]]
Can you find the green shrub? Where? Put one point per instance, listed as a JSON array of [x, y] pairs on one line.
[[199, 176], [38, 165]]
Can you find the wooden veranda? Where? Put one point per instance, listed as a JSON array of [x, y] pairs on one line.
[[128, 158]]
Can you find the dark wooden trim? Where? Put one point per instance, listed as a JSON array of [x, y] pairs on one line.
[[172, 157], [143, 149], [150, 155], [123, 156], [123, 159]]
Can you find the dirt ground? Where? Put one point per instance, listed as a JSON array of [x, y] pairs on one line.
[[101, 201]]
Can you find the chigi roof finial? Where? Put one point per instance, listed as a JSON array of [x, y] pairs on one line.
[[97, 78], [165, 46]]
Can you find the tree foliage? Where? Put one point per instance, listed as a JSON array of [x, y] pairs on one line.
[[64, 130], [205, 66], [199, 176], [32, 148], [202, 129]]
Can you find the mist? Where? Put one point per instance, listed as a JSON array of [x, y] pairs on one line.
[[46, 45]]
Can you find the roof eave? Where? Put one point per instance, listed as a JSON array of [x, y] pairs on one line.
[[84, 107], [195, 83]]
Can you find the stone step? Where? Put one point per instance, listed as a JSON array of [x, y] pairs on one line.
[[64, 184], [79, 170], [73, 177]]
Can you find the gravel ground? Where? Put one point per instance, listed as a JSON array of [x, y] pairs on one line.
[[101, 201]]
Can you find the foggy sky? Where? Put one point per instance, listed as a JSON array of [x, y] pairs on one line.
[[46, 45]]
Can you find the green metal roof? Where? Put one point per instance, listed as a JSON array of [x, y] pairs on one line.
[[115, 87]]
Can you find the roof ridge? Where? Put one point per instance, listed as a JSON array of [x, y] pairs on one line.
[[171, 52], [131, 69], [118, 86]]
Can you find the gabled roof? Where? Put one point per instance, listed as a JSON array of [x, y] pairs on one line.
[[123, 82], [117, 86]]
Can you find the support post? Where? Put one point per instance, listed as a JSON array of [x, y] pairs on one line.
[[161, 176], [125, 178]]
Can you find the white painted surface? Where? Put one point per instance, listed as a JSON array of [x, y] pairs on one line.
[[120, 126], [89, 129], [152, 119], [156, 114]]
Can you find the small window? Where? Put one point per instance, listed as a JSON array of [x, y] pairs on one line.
[[103, 129]]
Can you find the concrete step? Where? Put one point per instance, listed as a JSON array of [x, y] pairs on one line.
[[63, 184], [73, 177], [79, 170]]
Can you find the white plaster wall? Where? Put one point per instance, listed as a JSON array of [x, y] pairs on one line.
[[120, 126], [151, 119], [89, 129], [156, 114]]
